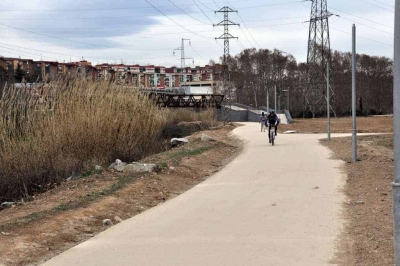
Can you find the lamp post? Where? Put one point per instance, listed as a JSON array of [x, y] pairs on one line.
[[275, 101], [288, 99], [396, 138]]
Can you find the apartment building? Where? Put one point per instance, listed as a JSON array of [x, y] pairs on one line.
[[27, 65], [149, 76], [47, 69], [197, 76], [136, 75]]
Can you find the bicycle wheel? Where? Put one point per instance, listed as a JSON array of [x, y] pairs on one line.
[[272, 136]]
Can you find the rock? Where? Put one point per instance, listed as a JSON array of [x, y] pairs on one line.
[[178, 141], [6, 204], [360, 202], [205, 137], [172, 168], [290, 132], [107, 222], [118, 165], [140, 167], [98, 168], [74, 176], [117, 219]]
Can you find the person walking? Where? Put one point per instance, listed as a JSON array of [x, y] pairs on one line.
[[263, 119]]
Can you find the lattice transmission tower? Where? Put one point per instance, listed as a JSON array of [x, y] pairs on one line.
[[182, 49], [226, 36], [318, 56]]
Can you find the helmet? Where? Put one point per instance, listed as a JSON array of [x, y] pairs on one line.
[[272, 112]]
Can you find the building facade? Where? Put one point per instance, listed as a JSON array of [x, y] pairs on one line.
[[196, 76], [148, 76]]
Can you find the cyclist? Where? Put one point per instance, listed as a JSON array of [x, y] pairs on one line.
[[263, 120], [272, 120]]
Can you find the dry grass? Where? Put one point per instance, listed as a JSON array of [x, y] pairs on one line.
[[207, 117], [377, 124], [76, 126], [367, 238]]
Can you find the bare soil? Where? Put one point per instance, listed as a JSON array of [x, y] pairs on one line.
[[381, 124], [73, 211], [368, 235]]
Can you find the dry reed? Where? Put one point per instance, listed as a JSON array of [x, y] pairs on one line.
[[74, 126], [70, 125]]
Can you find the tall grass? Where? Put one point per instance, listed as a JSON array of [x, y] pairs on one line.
[[68, 126], [74, 126], [205, 117]]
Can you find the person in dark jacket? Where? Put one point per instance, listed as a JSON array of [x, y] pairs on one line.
[[272, 120]]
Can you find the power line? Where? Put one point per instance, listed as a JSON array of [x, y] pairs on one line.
[[119, 17], [58, 38], [94, 9], [209, 8], [241, 44], [134, 8], [244, 24], [269, 5], [175, 21], [362, 37], [216, 4], [197, 53], [162, 33], [382, 3], [203, 11], [273, 19], [391, 33], [377, 5], [27, 52], [361, 17], [70, 55], [207, 18], [276, 25], [186, 12]]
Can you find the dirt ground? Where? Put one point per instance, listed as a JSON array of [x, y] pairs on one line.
[[74, 211], [382, 124], [368, 235]]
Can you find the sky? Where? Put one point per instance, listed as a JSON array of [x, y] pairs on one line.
[[147, 31]]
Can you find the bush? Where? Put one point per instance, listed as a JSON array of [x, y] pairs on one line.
[[75, 125], [184, 122], [70, 125]]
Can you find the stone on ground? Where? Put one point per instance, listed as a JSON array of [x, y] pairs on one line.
[[178, 141]]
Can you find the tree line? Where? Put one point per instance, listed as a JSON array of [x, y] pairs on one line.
[[254, 74]]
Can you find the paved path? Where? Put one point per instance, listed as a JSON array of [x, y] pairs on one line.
[[260, 210]]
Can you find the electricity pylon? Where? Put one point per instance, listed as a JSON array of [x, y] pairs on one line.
[[226, 36], [318, 57], [182, 49]]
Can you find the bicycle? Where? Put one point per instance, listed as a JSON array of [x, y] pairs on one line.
[[272, 135]]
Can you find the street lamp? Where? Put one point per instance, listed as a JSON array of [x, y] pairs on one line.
[[288, 99]]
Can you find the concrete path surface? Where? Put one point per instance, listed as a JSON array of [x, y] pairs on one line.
[[276, 205]]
